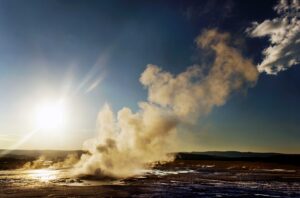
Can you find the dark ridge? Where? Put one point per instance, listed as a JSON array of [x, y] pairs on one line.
[[293, 159], [17, 158]]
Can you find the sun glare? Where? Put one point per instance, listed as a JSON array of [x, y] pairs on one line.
[[50, 115]]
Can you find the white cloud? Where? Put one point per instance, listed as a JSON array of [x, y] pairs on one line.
[[284, 36]]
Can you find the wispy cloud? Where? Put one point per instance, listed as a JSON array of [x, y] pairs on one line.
[[95, 83], [96, 74], [284, 37]]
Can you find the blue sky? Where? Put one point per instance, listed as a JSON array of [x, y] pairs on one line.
[[92, 52]]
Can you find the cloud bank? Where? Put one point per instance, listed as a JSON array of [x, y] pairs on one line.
[[131, 141], [284, 37]]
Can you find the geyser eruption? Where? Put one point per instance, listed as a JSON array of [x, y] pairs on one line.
[[128, 142]]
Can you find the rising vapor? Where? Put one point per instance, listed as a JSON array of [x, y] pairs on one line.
[[48, 162], [131, 141]]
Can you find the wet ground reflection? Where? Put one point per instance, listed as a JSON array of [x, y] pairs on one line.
[[43, 175], [178, 179]]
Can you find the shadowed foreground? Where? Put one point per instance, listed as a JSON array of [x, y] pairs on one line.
[[189, 175]]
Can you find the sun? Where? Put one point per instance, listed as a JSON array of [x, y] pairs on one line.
[[50, 115]]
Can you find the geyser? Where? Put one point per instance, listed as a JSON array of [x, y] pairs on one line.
[[128, 142]]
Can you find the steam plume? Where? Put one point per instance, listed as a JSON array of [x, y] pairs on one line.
[[130, 141], [48, 162]]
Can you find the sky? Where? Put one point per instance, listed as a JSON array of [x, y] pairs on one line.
[[93, 52]]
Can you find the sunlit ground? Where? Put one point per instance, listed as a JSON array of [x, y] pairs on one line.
[[28, 176], [44, 175], [186, 178]]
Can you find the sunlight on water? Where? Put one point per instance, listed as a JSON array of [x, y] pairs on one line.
[[44, 175]]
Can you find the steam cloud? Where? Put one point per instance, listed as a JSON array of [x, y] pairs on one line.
[[129, 142], [48, 162]]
